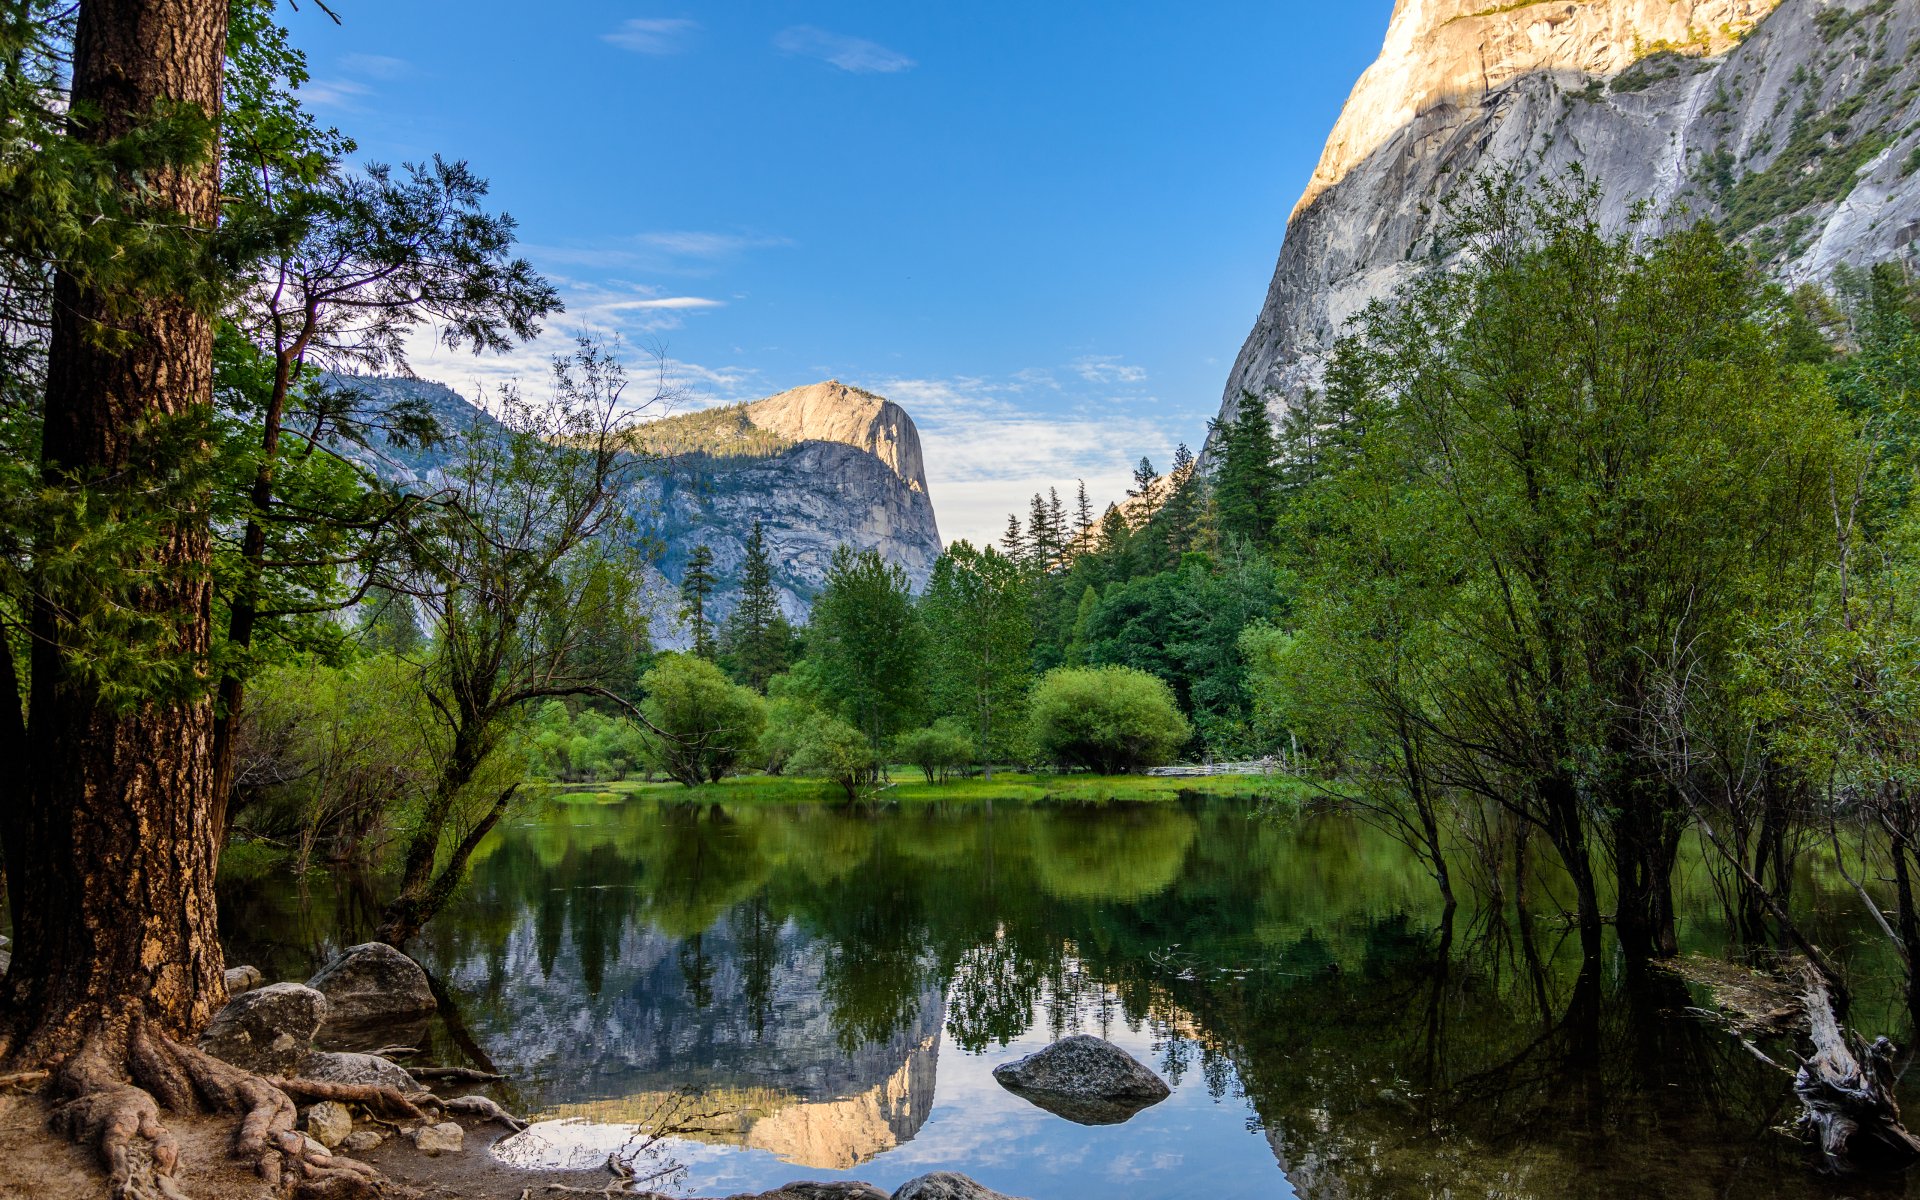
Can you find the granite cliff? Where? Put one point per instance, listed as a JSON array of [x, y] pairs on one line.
[[1795, 124], [818, 466]]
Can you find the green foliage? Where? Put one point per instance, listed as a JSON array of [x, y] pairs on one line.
[[582, 745], [868, 644], [1113, 720], [723, 432], [835, 750], [937, 750], [1247, 482], [701, 724], [758, 640], [977, 614], [696, 589]]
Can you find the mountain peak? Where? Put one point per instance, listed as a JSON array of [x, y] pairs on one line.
[[836, 412]]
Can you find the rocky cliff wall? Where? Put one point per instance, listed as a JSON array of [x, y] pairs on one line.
[[1794, 123]]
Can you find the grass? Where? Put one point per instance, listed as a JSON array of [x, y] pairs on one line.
[[909, 786]]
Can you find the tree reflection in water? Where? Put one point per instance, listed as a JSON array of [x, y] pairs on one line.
[[806, 961]]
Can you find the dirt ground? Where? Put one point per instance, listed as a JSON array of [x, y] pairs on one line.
[[36, 1164]]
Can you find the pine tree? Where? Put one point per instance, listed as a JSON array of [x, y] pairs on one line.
[[1042, 542], [1013, 543], [1144, 477], [1179, 513], [757, 633], [1057, 523], [1083, 513], [696, 586], [1247, 483]]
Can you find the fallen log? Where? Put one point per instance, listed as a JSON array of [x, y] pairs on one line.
[[1846, 1092]]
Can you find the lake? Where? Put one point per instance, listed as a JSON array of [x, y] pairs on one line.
[[812, 992]]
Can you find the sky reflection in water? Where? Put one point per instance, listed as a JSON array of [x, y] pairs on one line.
[[833, 988]]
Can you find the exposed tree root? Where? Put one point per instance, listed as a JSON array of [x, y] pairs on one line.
[[113, 1102]]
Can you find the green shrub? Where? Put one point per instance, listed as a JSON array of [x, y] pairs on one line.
[[703, 724], [1113, 720], [833, 749], [936, 750]]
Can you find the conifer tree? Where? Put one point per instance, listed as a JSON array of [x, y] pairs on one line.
[[1013, 543], [757, 632], [1057, 522], [1179, 511], [696, 586], [1246, 485], [1083, 512], [1042, 543]]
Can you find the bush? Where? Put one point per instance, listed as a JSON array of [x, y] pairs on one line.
[[1111, 720], [936, 750], [832, 748], [787, 721], [703, 725]]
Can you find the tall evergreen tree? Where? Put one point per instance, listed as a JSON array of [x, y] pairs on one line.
[[1043, 543], [1179, 512], [1083, 512], [696, 587], [1057, 523], [757, 632], [1013, 543], [1246, 484]]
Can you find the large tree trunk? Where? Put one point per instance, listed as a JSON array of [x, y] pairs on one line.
[[111, 849]]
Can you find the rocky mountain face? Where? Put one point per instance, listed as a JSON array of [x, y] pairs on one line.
[[818, 466], [1795, 124]]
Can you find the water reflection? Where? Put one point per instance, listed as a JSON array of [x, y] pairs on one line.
[[784, 978]]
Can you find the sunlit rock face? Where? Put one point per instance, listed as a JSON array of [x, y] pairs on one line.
[[819, 467], [1691, 105]]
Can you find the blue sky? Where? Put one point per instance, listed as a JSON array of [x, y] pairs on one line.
[[1043, 228]]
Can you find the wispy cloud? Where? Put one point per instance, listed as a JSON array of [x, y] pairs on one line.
[[857, 55], [334, 93], [375, 66], [1108, 369], [654, 35], [674, 252]]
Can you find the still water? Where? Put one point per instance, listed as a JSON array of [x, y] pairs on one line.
[[816, 992]]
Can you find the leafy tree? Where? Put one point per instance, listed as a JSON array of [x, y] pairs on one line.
[[1246, 481], [838, 751], [867, 639], [1110, 720], [1576, 467], [702, 724], [696, 588], [978, 618], [758, 636], [937, 749], [524, 571]]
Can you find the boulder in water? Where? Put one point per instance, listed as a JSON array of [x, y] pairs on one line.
[[946, 1185], [1084, 1079]]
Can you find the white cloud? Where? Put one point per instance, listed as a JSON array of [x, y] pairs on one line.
[[688, 252], [654, 35], [857, 55], [375, 66], [987, 453], [664, 303], [334, 93], [1108, 369]]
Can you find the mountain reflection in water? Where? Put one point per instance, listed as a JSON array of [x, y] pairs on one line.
[[821, 988]]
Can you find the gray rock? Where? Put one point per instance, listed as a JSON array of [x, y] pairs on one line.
[[314, 1146], [371, 982], [329, 1123], [1084, 1079], [1466, 88], [808, 1190], [362, 1140], [433, 1140], [946, 1185], [267, 1030], [243, 979], [332, 1066]]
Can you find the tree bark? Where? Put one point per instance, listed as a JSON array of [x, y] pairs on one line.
[[111, 849]]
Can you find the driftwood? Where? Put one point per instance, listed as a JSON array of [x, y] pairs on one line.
[[1846, 1092]]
